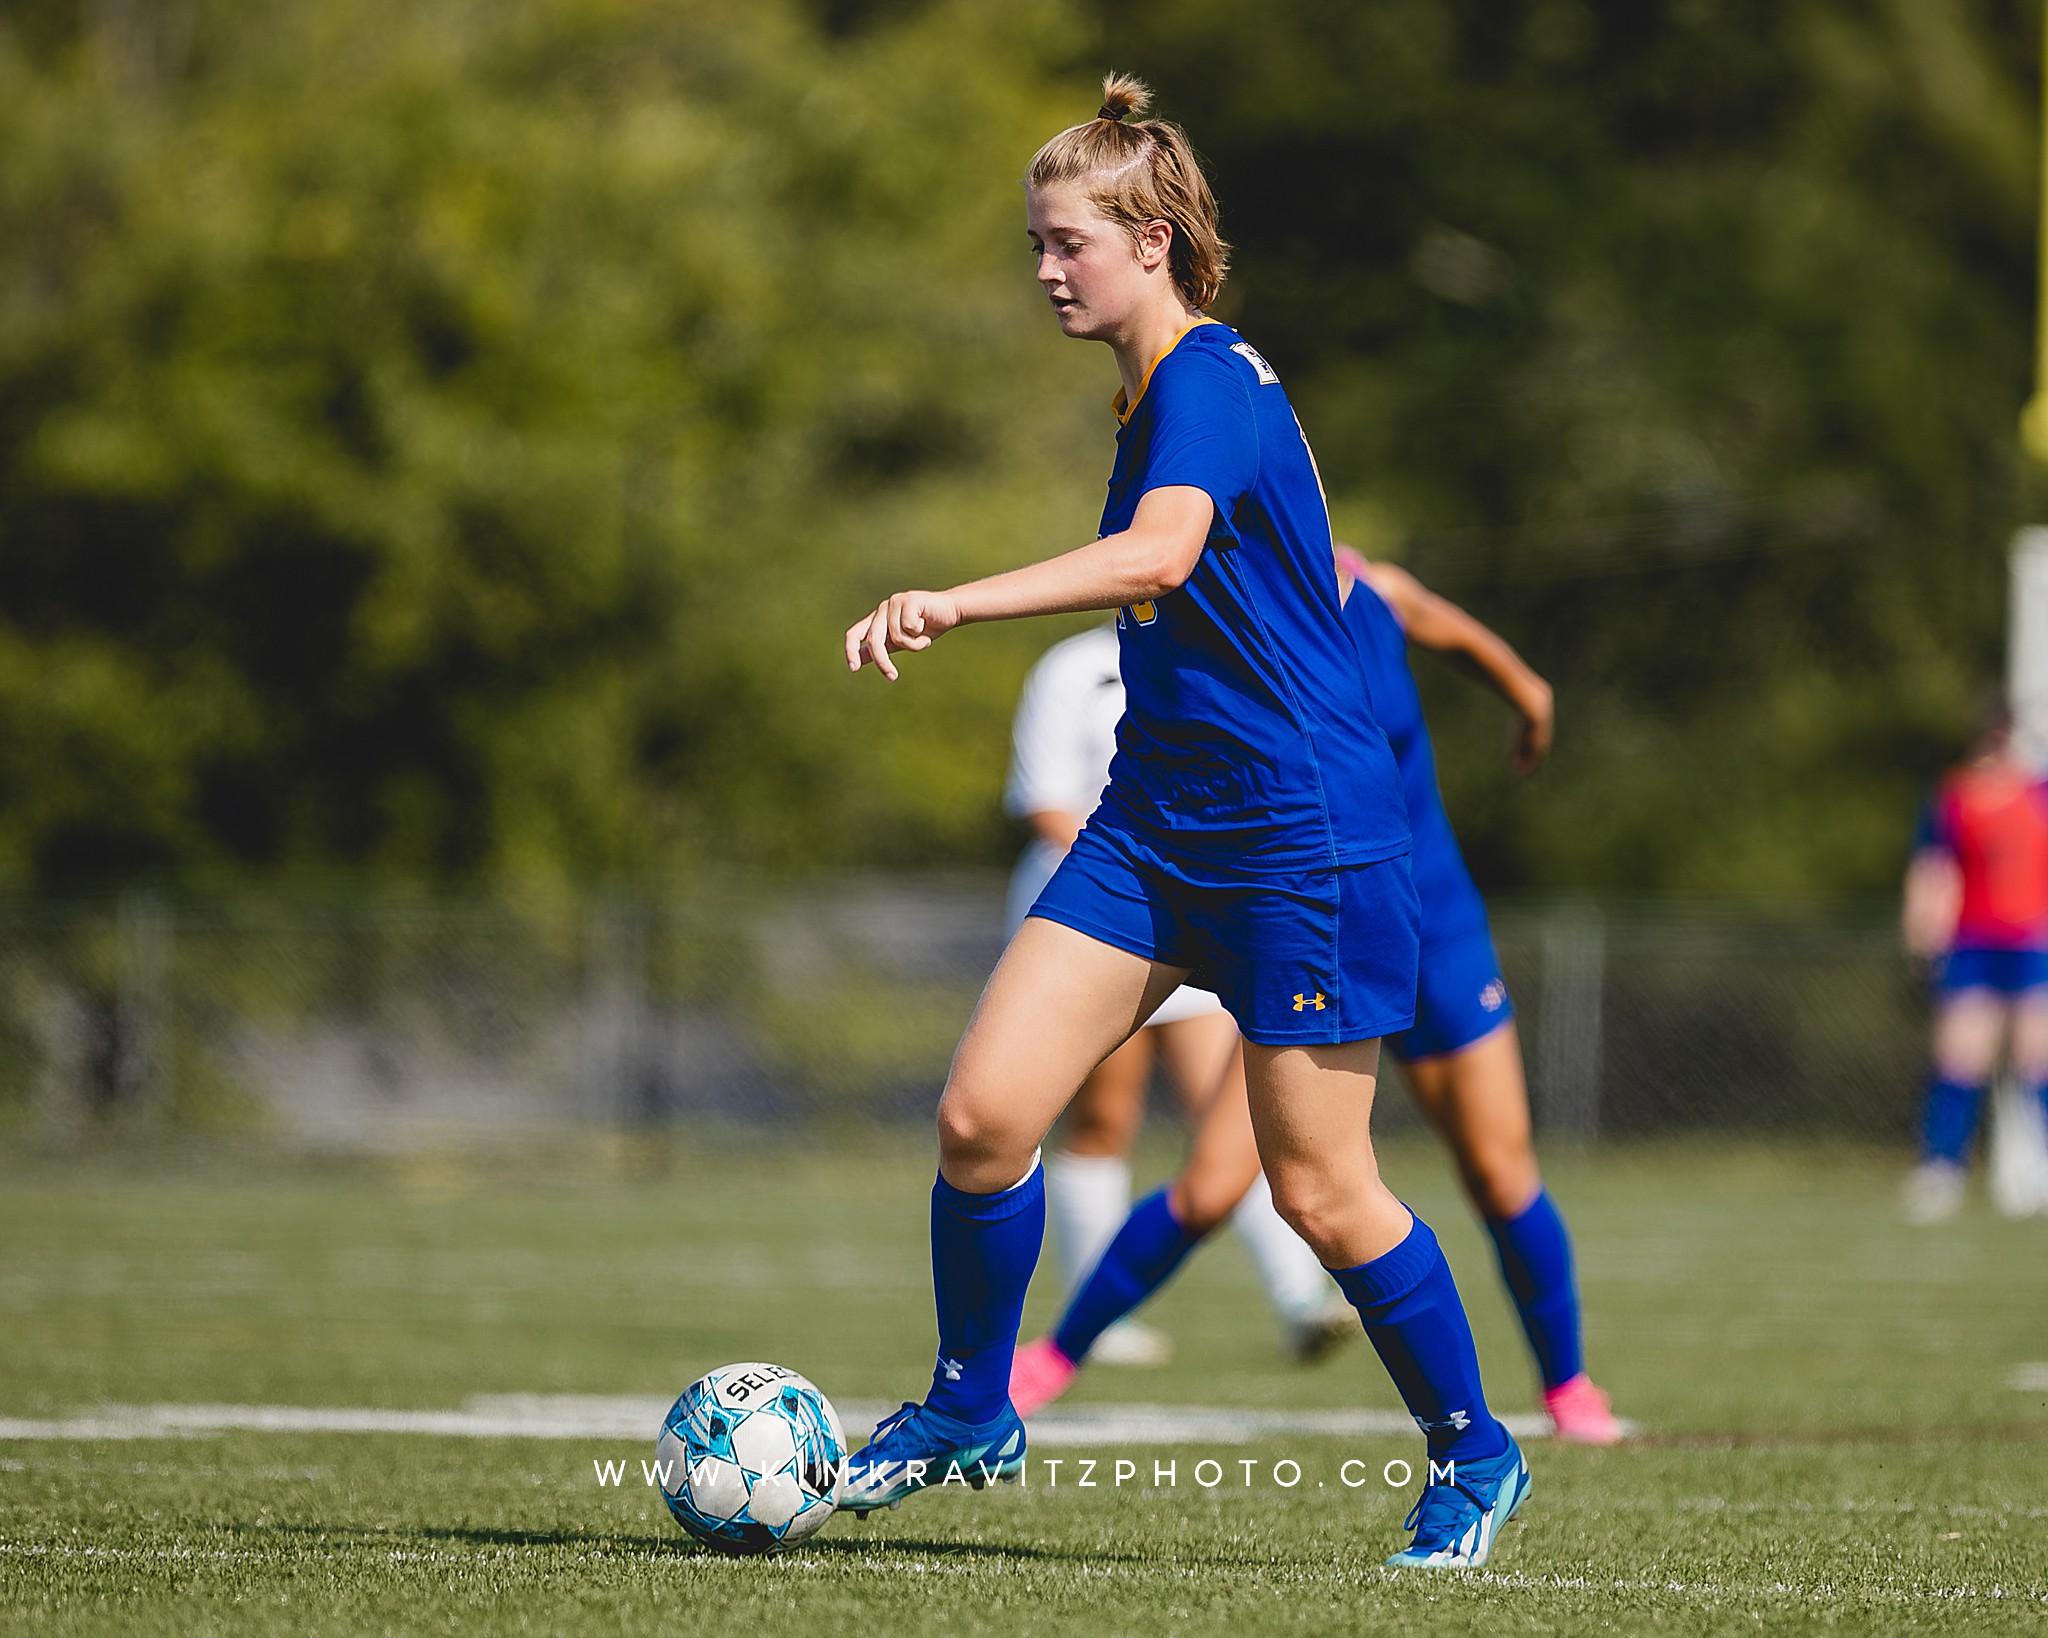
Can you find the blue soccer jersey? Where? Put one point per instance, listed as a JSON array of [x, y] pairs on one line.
[[1450, 901], [1243, 739]]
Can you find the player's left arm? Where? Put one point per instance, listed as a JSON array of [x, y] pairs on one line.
[[1154, 556], [1435, 622]]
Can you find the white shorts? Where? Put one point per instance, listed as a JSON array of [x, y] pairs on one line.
[[1185, 1003], [1027, 881]]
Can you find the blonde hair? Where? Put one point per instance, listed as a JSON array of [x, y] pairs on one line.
[[1142, 170]]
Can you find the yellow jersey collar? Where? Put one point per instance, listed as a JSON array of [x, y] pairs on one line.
[[1123, 411]]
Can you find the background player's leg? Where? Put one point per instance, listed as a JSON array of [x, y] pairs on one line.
[[1311, 1107], [1088, 1176], [1200, 1057], [1313, 1315], [1204, 1059], [1151, 1244], [2027, 1143], [2030, 1039], [1967, 1032], [1478, 1100], [1094, 1193], [1167, 1224], [1057, 1004]]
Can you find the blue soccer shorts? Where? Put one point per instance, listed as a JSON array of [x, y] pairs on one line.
[[1315, 955], [1983, 967], [1460, 997]]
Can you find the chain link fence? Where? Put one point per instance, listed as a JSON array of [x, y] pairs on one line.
[[400, 1025]]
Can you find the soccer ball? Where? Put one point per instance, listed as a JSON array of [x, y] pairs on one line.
[[748, 1457]]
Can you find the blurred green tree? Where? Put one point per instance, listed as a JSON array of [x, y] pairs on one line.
[[443, 442]]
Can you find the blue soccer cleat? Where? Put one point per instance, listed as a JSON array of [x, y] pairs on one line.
[[1455, 1521], [918, 1447]]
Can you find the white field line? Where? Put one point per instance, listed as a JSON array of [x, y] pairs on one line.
[[2030, 1378], [596, 1416]]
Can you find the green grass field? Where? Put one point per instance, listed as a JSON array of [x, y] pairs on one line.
[[1831, 1438]]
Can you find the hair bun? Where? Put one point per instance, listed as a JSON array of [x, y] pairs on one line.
[[1137, 173], [1122, 96]]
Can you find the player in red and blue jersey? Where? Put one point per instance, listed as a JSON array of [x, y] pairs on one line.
[[1463, 1060], [1253, 839], [1976, 907]]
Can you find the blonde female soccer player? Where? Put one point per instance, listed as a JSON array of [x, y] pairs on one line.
[[1253, 835], [1463, 1061]]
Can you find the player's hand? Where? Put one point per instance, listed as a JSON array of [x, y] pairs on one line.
[[1532, 732], [1933, 905], [903, 623]]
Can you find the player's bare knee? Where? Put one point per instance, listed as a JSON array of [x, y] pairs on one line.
[[1097, 1131], [1967, 1068], [1326, 1233], [1503, 1196], [1314, 1212], [2030, 1045], [1502, 1177], [1966, 1042], [974, 1143], [1199, 1205]]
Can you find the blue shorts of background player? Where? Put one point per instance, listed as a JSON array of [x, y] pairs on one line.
[[1300, 955], [1984, 967], [1460, 996]]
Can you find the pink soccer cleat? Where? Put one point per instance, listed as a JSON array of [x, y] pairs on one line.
[[1038, 1375], [1579, 1413]]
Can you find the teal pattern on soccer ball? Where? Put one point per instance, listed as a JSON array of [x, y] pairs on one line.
[[750, 1454]]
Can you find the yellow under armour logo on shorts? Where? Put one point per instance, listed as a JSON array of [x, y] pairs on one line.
[[1316, 1001]]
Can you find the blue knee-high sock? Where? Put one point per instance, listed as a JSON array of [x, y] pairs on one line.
[[1142, 1258], [1410, 1307], [1536, 1261], [1948, 1120], [984, 1247]]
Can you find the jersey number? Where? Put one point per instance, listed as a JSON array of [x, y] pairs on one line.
[[1139, 614]]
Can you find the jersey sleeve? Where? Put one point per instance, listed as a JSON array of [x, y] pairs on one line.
[[1047, 755], [1204, 434]]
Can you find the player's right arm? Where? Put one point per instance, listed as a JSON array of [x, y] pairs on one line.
[[1933, 896], [1435, 622], [1154, 556]]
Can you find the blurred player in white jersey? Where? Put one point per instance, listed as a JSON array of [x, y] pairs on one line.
[[1062, 743]]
